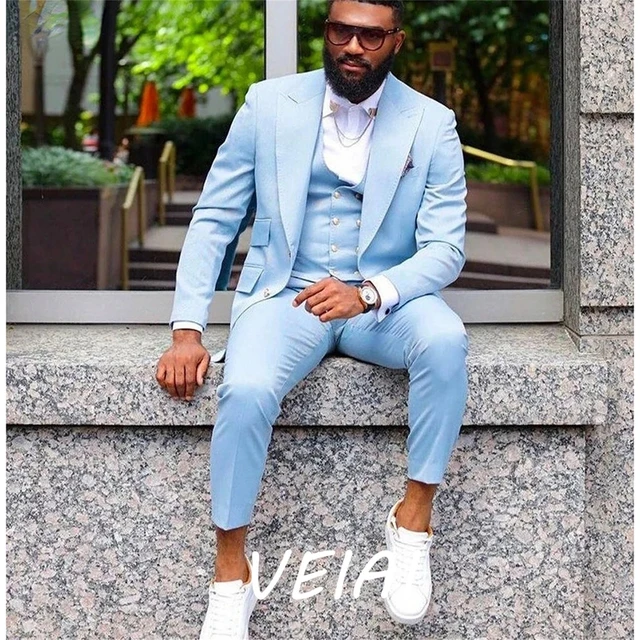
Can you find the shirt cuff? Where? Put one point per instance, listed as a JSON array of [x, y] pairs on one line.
[[186, 324], [389, 296]]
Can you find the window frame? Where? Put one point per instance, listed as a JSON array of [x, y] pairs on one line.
[[473, 306]]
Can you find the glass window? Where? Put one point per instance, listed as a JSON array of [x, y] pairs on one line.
[[183, 69], [210, 65], [489, 62]]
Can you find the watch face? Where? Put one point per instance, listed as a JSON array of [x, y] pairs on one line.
[[369, 295]]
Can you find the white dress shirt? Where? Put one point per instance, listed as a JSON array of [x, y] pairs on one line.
[[348, 160]]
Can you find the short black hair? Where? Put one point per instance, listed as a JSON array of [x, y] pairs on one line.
[[396, 5]]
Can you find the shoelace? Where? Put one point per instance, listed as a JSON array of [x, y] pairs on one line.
[[411, 562], [226, 614]]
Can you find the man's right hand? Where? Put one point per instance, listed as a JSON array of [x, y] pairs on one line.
[[183, 365]]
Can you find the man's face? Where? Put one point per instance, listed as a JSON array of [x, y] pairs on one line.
[[354, 72]]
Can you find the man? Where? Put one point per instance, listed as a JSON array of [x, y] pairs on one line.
[[359, 186]]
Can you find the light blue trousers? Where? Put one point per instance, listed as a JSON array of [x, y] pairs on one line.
[[273, 346]]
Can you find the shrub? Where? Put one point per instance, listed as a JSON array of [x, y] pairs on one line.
[[54, 136], [197, 141], [61, 167], [498, 174]]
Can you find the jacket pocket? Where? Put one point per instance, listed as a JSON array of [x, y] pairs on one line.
[[248, 278], [260, 232]]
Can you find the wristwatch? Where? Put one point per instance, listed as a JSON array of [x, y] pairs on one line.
[[368, 296]]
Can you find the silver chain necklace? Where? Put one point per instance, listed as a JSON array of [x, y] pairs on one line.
[[342, 136]]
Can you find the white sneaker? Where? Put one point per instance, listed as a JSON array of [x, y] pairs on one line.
[[230, 607], [408, 583]]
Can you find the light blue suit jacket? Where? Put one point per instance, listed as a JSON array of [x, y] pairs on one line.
[[413, 210]]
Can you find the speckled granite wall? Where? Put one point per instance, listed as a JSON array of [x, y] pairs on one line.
[[123, 548], [14, 179], [606, 243], [609, 514], [599, 305], [606, 56], [106, 375]]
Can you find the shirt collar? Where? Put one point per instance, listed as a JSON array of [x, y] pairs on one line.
[[370, 103]]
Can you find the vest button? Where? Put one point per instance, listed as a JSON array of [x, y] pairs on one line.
[[336, 194], [358, 196], [266, 293], [358, 222], [335, 221], [334, 248]]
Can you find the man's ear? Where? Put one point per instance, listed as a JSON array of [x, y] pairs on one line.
[[400, 37]]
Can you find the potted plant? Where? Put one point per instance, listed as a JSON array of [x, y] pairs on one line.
[[71, 219]]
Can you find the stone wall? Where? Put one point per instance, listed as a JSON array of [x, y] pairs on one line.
[[599, 289], [14, 181]]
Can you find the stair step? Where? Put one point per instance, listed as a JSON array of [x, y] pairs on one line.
[[156, 256], [480, 222], [152, 285], [152, 271], [511, 270], [179, 207], [491, 281], [178, 218]]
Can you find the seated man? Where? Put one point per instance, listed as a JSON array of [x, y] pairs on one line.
[[360, 220]]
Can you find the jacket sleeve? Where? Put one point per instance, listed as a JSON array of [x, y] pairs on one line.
[[227, 192], [440, 225]]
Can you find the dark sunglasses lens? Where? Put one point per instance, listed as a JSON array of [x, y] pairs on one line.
[[371, 38], [339, 33]]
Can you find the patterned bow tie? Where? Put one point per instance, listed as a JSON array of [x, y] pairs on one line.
[[336, 106]]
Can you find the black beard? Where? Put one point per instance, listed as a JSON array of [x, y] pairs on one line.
[[355, 90]]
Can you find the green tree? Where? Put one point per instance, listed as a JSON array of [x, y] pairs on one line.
[[491, 38], [217, 43], [84, 37]]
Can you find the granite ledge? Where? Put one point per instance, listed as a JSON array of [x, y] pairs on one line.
[[104, 375]]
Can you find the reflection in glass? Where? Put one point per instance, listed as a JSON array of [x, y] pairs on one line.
[[183, 70], [488, 60]]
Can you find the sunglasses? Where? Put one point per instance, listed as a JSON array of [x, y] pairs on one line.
[[369, 38]]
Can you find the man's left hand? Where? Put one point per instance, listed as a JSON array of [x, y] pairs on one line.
[[330, 299]]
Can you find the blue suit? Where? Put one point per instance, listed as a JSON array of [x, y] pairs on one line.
[[412, 231]]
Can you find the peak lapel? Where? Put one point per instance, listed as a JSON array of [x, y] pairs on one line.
[[393, 135], [297, 129]]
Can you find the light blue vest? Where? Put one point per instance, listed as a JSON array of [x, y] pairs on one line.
[[331, 227]]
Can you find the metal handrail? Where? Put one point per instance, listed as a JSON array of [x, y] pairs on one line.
[[166, 178], [136, 187], [525, 164]]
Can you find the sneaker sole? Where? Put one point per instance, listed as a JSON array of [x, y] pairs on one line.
[[400, 619]]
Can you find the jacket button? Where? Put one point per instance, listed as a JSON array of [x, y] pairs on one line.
[[335, 221], [358, 222], [266, 293], [336, 194], [334, 248], [358, 196]]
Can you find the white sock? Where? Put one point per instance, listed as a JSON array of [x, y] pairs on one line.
[[407, 535], [228, 588]]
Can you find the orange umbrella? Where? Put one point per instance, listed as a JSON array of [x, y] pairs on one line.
[[187, 107], [149, 105]]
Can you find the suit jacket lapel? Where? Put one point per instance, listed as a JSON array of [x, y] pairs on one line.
[[393, 135], [297, 128]]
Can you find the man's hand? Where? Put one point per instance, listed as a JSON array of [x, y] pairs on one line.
[[330, 299], [183, 365]]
